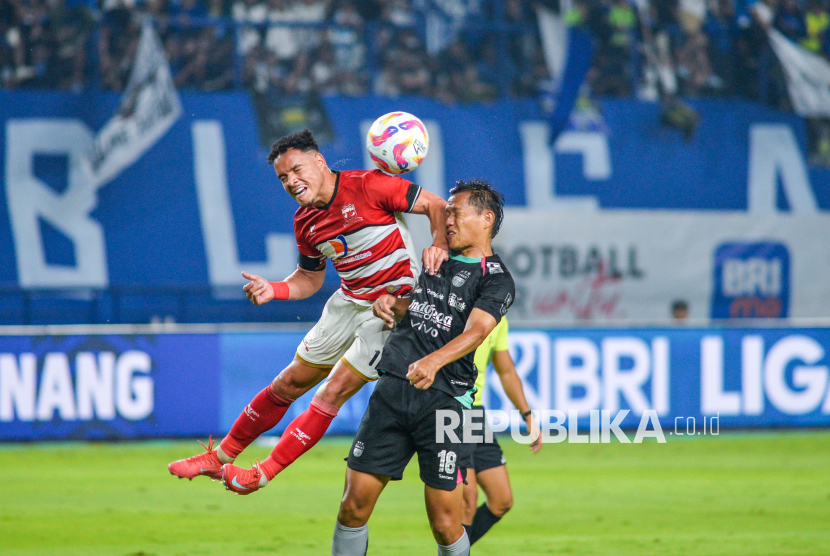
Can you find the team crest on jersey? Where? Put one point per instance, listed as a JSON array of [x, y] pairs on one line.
[[350, 213], [459, 279], [335, 248]]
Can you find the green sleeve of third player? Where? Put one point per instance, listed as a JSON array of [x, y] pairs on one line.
[[500, 335], [495, 341]]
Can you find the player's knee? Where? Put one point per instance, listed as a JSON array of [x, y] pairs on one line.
[[288, 384], [353, 513], [444, 529], [444, 526], [501, 507], [339, 387]]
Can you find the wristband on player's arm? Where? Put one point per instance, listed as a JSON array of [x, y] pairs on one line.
[[280, 290], [526, 413]]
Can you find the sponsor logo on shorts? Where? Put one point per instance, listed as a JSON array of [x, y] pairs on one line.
[[358, 449], [459, 279]]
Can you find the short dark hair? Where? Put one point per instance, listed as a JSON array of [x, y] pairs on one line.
[[483, 197], [300, 140], [679, 305]]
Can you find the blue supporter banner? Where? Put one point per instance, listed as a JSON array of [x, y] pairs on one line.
[[183, 385], [202, 203]]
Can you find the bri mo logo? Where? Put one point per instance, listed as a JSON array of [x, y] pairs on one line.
[[752, 280]]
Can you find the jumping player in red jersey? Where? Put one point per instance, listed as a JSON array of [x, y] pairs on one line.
[[350, 218]]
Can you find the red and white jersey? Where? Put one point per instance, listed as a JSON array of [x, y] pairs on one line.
[[359, 231]]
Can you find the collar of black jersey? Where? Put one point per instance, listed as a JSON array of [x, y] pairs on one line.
[[463, 259], [333, 195]]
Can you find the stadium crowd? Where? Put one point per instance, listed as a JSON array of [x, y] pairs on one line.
[[459, 50]]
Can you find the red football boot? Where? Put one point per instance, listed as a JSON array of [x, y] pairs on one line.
[[241, 481], [206, 463]]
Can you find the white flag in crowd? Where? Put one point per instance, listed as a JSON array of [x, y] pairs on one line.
[[149, 106], [808, 76]]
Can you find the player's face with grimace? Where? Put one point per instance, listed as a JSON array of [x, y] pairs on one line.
[[302, 174], [466, 226]]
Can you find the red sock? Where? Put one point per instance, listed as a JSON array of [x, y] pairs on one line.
[[300, 436], [261, 415]]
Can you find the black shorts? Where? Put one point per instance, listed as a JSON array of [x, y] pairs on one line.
[[400, 421], [486, 455]]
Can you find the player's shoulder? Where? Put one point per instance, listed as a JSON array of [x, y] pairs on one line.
[[303, 214], [354, 175], [360, 182], [496, 270]]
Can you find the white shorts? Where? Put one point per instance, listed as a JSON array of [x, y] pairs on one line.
[[348, 331]]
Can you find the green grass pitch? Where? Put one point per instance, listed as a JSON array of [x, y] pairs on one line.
[[735, 494]]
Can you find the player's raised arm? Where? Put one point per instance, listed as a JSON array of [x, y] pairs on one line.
[[422, 372], [434, 208], [300, 284], [503, 364]]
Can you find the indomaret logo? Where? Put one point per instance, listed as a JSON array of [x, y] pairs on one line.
[[428, 312]]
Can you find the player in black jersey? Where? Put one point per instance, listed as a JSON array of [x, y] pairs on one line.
[[427, 366]]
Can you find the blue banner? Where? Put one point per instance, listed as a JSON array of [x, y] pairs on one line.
[[108, 386], [174, 385], [203, 203]]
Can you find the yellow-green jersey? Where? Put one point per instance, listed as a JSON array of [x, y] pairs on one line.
[[495, 341]]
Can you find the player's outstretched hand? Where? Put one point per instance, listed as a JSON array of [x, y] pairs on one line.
[[434, 257], [535, 433], [421, 373], [258, 290], [383, 308]]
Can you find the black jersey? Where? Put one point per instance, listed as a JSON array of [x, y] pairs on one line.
[[439, 310]]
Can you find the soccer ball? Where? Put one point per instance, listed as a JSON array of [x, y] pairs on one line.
[[397, 142]]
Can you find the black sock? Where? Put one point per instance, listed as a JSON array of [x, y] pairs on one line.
[[482, 522]]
